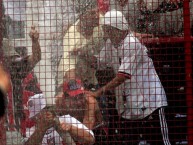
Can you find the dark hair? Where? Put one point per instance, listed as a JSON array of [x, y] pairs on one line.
[[74, 106]]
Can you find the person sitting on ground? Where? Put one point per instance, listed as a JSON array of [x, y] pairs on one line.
[[66, 117]]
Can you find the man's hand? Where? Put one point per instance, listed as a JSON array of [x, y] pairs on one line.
[[175, 2], [45, 120], [91, 95], [34, 34], [66, 126]]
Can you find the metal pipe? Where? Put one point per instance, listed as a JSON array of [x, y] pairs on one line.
[[165, 40], [188, 71]]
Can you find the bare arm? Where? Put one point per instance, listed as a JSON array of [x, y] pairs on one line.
[[115, 82], [36, 51], [44, 122], [36, 138], [81, 134]]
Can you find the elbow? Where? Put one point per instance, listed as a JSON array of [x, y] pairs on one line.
[[90, 140]]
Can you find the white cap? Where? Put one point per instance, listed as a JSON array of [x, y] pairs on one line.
[[35, 104], [115, 19]]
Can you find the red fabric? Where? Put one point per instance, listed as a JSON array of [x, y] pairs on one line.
[[103, 5], [26, 123], [28, 79]]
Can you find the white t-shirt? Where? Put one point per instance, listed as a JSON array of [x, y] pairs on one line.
[[52, 137], [74, 122], [143, 90]]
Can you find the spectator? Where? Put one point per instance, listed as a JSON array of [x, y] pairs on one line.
[[18, 67], [82, 41], [72, 104], [145, 97], [68, 13]]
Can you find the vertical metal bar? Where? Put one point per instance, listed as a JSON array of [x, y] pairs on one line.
[[188, 67]]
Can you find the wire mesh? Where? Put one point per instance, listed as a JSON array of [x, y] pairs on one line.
[[136, 54]]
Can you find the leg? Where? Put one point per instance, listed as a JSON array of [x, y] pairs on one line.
[[155, 129], [130, 131]]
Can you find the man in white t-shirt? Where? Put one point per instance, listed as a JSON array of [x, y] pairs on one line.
[[67, 126], [144, 96]]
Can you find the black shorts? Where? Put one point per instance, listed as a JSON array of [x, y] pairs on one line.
[[152, 129]]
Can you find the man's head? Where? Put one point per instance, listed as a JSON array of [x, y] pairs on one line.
[[73, 101], [114, 25], [88, 21], [8, 49]]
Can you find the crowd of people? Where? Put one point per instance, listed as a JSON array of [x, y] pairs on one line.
[[102, 37]]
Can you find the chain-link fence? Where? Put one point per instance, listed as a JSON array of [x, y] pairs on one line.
[[134, 55]]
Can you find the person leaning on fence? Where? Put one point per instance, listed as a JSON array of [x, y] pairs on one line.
[[145, 97], [18, 67], [64, 119]]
